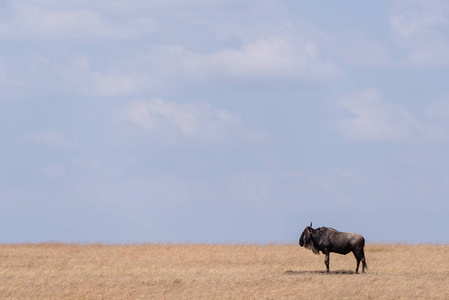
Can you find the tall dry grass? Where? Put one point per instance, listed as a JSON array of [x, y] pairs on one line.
[[58, 271]]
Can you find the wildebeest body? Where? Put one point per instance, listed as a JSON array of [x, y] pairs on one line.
[[328, 240]]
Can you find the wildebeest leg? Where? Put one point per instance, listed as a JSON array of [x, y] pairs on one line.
[[363, 261], [360, 256], [358, 261], [326, 259]]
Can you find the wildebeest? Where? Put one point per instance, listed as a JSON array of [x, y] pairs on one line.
[[329, 240]]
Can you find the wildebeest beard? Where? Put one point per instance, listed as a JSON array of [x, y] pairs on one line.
[[311, 246]]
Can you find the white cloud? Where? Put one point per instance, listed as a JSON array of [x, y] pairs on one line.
[[70, 74], [39, 21], [420, 28], [372, 119], [267, 57], [99, 20], [408, 24], [78, 47], [170, 122], [50, 138], [165, 67]]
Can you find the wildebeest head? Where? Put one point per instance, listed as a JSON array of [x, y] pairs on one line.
[[306, 235], [306, 239]]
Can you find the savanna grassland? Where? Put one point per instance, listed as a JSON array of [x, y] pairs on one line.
[[158, 271]]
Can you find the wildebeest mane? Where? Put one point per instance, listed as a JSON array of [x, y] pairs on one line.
[[321, 230]]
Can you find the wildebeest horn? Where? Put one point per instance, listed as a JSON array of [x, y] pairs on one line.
[[310, 224]]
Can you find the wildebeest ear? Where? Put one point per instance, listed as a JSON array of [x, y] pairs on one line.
[[310, 224]]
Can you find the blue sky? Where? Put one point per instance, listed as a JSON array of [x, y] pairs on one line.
[[223, 121]]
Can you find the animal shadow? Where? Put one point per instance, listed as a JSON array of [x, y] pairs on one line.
[[336, 272]]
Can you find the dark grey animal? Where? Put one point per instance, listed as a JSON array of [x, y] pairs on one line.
[[329, 240]]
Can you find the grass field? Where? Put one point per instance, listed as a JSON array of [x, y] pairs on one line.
[[219, 271]]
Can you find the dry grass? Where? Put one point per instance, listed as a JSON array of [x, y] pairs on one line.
[[219, 271]]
